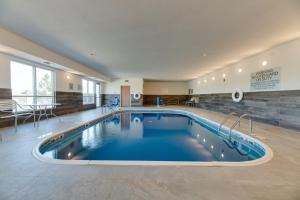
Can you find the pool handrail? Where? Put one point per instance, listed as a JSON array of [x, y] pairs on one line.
[[225, 120], [238, 122]]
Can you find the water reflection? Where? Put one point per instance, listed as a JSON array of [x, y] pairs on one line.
[[151, 136]]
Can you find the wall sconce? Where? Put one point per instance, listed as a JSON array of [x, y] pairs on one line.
[[224, 78]]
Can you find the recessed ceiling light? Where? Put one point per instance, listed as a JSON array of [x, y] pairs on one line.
[[240, 70], [205, 80], [213, 78], [264, 63], [199, 82], [224, 75]]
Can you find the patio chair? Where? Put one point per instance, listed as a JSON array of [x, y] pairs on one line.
[[190, 102], [194, 101], [11, 109], [115, 104]]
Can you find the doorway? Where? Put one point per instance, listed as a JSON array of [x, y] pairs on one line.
[[125, 96]]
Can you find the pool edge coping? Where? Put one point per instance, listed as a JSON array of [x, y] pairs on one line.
[[36, 152]]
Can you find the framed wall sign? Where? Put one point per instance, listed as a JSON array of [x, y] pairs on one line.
[[71, 86], [266, 79]]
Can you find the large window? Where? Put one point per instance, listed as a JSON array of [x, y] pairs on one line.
[[98, 95], [31, 84], [88, 91]]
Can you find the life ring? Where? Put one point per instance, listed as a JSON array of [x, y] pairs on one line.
[[237, 95], [137, 96], [137, 120]]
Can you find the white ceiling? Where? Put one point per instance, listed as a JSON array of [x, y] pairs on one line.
[[154, 39]]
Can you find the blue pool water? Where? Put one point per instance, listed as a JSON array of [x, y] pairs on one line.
[[138, 136]]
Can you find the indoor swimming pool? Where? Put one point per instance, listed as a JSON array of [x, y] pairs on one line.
[[152, 136]]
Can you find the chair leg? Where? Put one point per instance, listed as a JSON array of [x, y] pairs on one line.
[[34, 120], [26, 119], [16, 123]]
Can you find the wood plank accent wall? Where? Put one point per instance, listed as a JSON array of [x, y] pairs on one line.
[[167, 99], [107, 99], [136, 102], [5, 93], [280, 108], [71, 102]]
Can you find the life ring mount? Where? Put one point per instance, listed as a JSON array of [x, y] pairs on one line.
[[137, 95], [237, 95]]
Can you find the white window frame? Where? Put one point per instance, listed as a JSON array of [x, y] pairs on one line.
[[98, 98], [88, 94], [36, 66]]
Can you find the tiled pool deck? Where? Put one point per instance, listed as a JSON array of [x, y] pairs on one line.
[[22, 176]]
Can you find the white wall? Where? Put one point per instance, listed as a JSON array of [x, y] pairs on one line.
[[166, 87], [114, 87], [11, 42], [285, 56], [62, 82], [4, 71]]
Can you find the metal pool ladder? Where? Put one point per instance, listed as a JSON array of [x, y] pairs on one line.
[[225, 120], [238, 121]]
